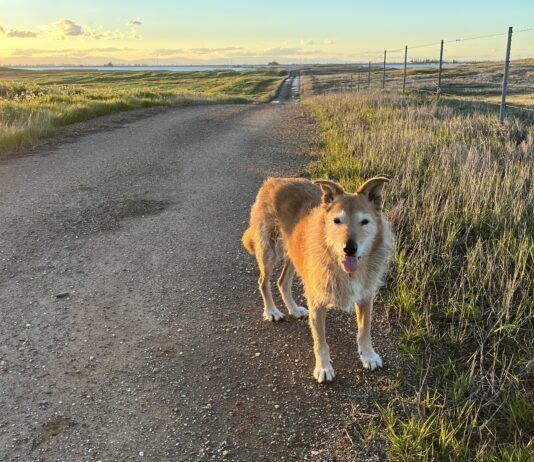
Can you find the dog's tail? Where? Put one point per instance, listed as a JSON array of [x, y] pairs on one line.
[[248, 242]]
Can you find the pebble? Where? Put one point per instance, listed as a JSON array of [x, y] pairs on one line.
[[62, 295]]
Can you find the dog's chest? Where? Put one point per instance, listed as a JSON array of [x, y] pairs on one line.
[[348, 293]]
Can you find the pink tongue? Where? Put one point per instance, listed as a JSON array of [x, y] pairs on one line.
[[349, 264]]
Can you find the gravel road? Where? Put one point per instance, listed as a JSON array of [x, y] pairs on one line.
[[130, 321]]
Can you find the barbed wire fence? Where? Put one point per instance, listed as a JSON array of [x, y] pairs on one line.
[[505, 84]]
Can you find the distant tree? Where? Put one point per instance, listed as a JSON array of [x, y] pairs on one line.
[[273, 63], [110, 64]]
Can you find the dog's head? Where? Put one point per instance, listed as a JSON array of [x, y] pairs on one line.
[[352, 221]]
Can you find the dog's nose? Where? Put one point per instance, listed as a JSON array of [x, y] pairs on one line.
[[350, 248]]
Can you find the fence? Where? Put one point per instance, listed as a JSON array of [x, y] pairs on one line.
[[483, 81]]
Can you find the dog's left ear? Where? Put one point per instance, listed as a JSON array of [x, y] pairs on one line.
[[373, 190], [330, 190]]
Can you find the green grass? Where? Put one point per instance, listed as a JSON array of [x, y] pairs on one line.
[[462, 282], [35, 104]]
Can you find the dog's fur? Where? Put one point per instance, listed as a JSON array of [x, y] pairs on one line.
[[293, 219]]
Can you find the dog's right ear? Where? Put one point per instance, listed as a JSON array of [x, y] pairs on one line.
[[330, 190]]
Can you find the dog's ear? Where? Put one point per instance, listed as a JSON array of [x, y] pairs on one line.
[[330, 190], [373, 190]]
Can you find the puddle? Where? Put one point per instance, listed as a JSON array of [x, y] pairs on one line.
[[289, 90]]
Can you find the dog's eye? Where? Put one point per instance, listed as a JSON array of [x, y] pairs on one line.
[[365, 222], [337, 221]]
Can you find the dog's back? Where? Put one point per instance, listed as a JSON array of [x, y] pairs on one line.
[[280, 204]]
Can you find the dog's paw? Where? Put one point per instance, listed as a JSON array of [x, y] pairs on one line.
[[324, 373], [371, 361], [274, 314], [300, 312]]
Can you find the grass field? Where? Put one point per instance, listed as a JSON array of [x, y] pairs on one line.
[[34, 104], [461, 287], [477, 81]]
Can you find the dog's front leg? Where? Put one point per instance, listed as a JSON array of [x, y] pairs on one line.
[[370, 359], [323, 372]]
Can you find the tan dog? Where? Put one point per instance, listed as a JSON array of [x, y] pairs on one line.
[[340, 245]]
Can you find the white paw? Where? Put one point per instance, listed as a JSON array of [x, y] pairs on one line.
[[300, 312], [371, 361], [274, 314], [324, 373]]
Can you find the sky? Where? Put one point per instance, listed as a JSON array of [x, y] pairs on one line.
[[233, 32]]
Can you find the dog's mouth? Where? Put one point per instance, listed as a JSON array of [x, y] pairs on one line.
[[349, 263]]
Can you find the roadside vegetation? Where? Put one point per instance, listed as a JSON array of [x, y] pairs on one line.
[[476, 81], [461, 287], [35, 104]]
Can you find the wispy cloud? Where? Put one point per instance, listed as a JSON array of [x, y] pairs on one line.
[[306, 42], [67, 28], [22, 33], [328, 42], [133, 22], [15, 33]]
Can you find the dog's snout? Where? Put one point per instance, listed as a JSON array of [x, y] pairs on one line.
[[350, 248]]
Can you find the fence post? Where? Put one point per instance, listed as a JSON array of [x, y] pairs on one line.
[[440, 66], [351, 83], [505, 77], [384, 71], [404, 76], [369, 77], [359, 79]]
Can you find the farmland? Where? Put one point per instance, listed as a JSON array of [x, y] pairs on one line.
[[35, 104]]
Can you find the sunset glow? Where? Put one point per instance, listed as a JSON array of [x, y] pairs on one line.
[[240, 32]]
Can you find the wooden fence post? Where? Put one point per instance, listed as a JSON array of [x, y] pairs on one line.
[[440, 66]]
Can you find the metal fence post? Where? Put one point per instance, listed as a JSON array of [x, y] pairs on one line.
[[440, 66], [384, 71], [404, 76], [505, 77], [369, 77]]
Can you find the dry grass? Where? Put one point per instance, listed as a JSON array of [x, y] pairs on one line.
[[34, 104], [462, 283], [478, 81]]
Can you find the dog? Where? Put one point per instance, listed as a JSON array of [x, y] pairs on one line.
[[340, 244]]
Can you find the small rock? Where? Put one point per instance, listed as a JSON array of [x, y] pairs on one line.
[[62, 295]]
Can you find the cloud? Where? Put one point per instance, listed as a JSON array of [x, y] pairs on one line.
[[69, 28], [133, 22], [328, 42], [18, 33], [304, 42], [22, 33], [68, 51]]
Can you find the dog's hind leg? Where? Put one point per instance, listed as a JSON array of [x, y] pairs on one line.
[[323, 372], [266, 257], [285, 282]]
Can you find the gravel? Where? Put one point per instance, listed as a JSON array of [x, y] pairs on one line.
[[130, 322]]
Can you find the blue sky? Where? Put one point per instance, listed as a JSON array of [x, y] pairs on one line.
[[238, 31]]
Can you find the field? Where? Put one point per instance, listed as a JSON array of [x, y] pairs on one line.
[[34, 104], [477, 81], [461, 287]]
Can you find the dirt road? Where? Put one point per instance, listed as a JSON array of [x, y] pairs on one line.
[[130, 322]]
